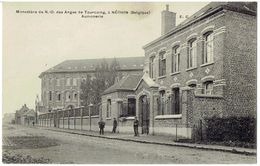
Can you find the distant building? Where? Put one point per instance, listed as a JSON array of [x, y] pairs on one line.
[[25, 116], [204, 67], [60, 87]]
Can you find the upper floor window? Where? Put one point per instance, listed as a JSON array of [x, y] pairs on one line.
[[151, 67], [176, 59], [208, 48], [192, 57], [74, 81], [57, 82], [162, 63], [50, 95], [208, 87], [68, 82], [50, 81]]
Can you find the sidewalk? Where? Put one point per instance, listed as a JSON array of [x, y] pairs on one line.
[[159, 140]]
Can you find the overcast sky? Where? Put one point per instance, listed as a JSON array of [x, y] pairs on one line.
[[32, 43]]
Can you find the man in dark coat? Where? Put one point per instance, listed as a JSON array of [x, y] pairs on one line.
[[136, 123], [101, 125], [114, 126]]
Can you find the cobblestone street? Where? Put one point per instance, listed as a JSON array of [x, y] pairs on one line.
[[59, 147]]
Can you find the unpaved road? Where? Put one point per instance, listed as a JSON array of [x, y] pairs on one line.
[[70, 148]]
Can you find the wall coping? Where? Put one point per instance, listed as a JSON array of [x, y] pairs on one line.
[[208, 96], [177, 116]]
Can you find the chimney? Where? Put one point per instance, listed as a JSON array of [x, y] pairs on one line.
[[168, 20]]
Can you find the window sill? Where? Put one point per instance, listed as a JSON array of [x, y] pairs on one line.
[[108, 118], [177, 116], [160, 77], [206, 64], [192, 68], [177, 72]]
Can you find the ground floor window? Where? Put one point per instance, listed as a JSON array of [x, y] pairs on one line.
[[175, 101], [108, 108], [208, 87], [131, 111], [162, 103]]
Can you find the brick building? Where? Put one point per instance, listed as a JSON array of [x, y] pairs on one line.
[[204, 67], [25, 116], [60, 85]]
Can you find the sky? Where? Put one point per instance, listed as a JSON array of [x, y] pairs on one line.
[[33, 43]]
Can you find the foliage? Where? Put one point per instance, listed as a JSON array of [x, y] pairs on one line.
[[231, 129], [104, 77]]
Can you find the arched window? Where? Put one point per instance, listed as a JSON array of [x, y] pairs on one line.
[[192, 57], [175, 59], [162, 103], [58, 96], [151, 66], [75, 96], [208, 87], [162, 63], [68, 97], [208, 47]]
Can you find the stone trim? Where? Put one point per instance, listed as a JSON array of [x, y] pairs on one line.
[[207, 29], [177, 43], [208, 96], [192, 36], [192, 81], [176, 116], [208, 78], [175, 85]]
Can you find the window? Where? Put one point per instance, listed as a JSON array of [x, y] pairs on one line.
[[57, 82], [131, 107], [68, 96], [108, 108], [58, 96], [193, 86], [208, 48], [74, 81], [162, 103], [151, 66], [50, 81], [208, 87], [175, 101], [75, 96], [176, 59], [162, 63], [68, 82], [192, 53], [50, 95]]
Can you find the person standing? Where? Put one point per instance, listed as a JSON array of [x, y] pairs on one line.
[[114, 125], [136, 122], [101, 125]]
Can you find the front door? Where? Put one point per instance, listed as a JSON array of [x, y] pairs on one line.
[[144, 114]]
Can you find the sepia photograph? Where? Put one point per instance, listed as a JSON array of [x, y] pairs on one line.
[[129, 82]]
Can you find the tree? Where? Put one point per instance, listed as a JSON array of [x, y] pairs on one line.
[[103, 78]]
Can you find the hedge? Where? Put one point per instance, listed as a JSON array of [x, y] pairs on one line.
[[231, 129]]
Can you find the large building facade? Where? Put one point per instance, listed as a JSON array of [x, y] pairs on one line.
[[60, 85], [204, 67]]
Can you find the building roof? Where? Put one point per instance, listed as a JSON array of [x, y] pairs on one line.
[[31, 112], [213, 7], [127, 83], [86, 65]]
